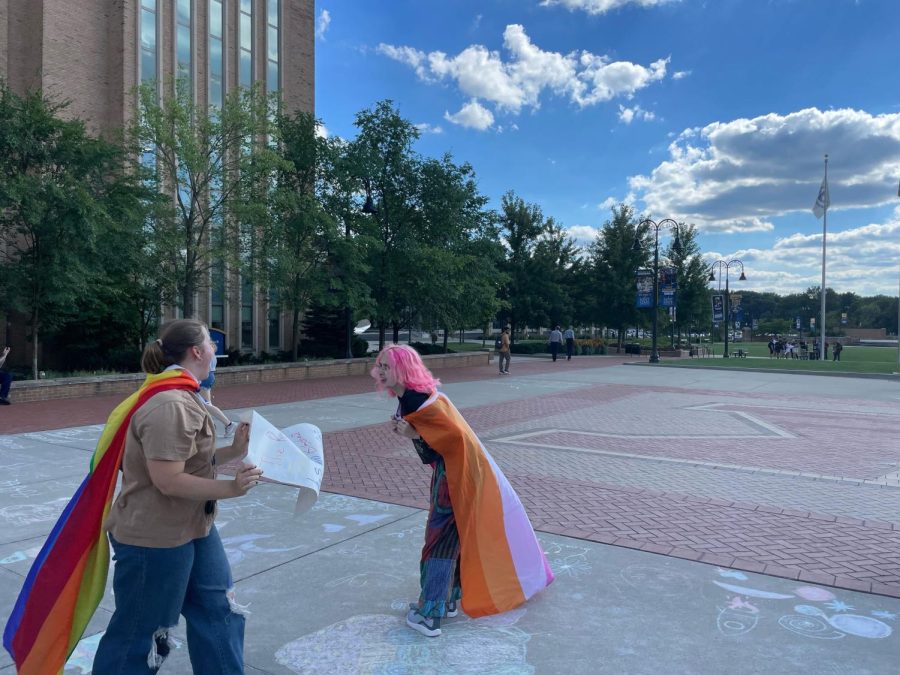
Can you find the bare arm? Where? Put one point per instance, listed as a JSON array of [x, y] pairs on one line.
[[3, 356], [169, 478], [238, 447]]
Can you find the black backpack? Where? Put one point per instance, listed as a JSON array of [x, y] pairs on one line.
[[498, 343]]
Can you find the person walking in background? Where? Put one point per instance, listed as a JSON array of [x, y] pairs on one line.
[[569, 337], [555, 342], [503, 352], [5, 379], [480, 549], [206, 394], [838, 348]]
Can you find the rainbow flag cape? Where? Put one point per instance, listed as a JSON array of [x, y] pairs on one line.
[[501, 563], [68, 577]]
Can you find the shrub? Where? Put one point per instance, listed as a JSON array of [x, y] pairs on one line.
[[425, 349], [530, 347]]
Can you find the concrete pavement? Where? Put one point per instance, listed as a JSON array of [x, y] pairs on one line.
[[629, 474]]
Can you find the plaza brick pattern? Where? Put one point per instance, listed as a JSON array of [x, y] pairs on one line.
[[790, 526]]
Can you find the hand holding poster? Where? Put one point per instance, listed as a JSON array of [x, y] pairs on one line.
[[293, 456]]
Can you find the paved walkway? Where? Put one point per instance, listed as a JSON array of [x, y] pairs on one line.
[[786, 485]]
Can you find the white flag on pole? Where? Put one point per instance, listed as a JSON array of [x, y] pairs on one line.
[[823, 201]]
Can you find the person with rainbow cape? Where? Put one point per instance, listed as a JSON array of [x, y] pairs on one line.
[[480, 550], [169, 559]]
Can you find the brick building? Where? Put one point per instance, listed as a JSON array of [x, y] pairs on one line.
[[94, 53]]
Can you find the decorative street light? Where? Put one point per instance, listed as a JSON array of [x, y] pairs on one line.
[[369, 209], [676, 245], [712, 277]]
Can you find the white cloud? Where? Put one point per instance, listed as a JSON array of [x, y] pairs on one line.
[[472, 115], [627, 115], [321, 130], [322, 24], [860, 259], [607, 204], [584, 235], [735, 176], [601, 6], [680, 74], [426, 128], [528, 71]]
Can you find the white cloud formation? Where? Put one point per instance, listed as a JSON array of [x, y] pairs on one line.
[[601, 6], [627, 115], [860, 259], [321, 130], [322, 24], [472, 115], [680, 74], [735, 176], [584, 235], [426, 128], [518, 81], [607, 204]]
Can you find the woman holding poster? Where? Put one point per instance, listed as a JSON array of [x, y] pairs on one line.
[[480, 549]]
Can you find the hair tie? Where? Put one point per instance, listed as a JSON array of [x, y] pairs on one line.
[[159, 342]]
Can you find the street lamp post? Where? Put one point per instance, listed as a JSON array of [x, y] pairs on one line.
[[654, 353], [712, 277]]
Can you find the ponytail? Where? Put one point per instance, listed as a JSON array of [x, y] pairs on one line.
[[174, 341]]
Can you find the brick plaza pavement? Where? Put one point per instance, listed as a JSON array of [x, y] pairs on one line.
[[803, 488], [762, 480]]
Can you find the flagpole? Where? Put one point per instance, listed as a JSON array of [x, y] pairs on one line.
[[824, 230]]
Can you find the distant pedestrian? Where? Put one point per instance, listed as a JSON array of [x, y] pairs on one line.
[[503, 351], [206, 394], [480, 549], [5, 379], [569, 337], [838, 348], [555, 342]]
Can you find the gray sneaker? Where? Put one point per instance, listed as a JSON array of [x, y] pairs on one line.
[[452, 609], [428, 626]]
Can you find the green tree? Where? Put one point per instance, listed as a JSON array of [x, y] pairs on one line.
[[212, 163], [59, 186], [613, 263], [693, 306], [388, 171]]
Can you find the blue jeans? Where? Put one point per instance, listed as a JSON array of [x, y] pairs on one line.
[[152, 587]]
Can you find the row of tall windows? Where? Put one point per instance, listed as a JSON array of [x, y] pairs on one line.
[[184, 55]]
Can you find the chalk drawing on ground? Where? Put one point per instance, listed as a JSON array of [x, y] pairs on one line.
[[381, 643]]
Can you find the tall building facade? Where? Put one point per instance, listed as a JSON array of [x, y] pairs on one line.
[[94, 53]]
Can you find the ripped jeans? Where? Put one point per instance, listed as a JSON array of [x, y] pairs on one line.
[[152, 587]]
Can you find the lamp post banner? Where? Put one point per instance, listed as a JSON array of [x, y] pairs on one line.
[[668, 283], [644, 283], [718, 308]]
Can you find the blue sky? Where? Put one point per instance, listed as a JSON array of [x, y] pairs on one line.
[[714, 112]]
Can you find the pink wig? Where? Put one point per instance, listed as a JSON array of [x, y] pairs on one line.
[[408, 369]]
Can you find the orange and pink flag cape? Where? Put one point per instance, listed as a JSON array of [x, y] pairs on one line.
[[66, 581], [501, 563]]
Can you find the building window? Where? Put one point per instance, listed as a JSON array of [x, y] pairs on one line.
[[148, 40], [217, 297], [245, 25], [247, 314], [183, 47], [272, 50], [216, 52], [274, 321]]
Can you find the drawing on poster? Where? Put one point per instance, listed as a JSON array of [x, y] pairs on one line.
[[381, 643]]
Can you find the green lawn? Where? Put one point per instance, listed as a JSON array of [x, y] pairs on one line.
[[854, 359]]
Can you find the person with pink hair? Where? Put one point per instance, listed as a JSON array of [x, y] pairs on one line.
[[477, 536]]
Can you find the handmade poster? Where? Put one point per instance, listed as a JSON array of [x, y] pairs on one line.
[[292, 456]]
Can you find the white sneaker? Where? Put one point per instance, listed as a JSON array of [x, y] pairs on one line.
[[428, 626], [229, 430]]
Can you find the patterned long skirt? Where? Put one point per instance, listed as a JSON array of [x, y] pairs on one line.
[[439, 567]]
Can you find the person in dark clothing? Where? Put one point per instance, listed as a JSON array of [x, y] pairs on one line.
[[5, 379], [838, 348], [569, 337], [555, 342]]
